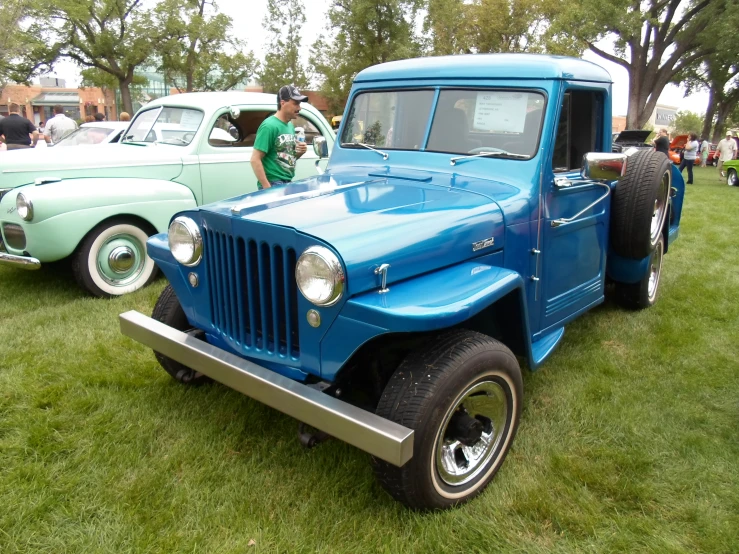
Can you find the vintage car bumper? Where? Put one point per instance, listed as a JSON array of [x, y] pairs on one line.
[[369, 432], [23, 262]]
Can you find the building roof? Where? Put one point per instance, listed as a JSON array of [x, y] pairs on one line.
[[54, 98], [487, 66]]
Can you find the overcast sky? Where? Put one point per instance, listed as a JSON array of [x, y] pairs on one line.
[[247, 18]]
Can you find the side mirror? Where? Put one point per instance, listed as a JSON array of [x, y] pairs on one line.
[[234, 111], [320, 147], [598, 166]]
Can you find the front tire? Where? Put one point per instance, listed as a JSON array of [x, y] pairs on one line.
[[641, 295], [731, 178], [169, 311], [462, 397], [112, 260]]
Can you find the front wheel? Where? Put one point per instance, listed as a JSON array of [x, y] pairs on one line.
[[462, 397], [112, 260], [641, 295], [731, 178]]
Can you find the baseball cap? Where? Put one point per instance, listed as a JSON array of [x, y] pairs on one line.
[[289, 92]]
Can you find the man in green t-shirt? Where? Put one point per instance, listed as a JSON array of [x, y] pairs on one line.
[[276, 149]]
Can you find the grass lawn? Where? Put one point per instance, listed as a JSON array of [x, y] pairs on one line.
[[629, 440]]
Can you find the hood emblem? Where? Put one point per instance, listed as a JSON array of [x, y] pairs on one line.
[[480, 244], [382, 272]]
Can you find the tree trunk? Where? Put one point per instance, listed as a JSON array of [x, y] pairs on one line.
[[723, 111], [124, 86], [710, 111]]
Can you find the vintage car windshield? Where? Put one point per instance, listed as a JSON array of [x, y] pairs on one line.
[[87, 135], [502, 122], [165, 125]]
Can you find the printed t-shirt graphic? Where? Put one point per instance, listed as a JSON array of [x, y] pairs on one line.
[[277, 140]]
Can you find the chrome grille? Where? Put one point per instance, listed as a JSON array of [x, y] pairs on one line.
[[253, 293], [15, 237]]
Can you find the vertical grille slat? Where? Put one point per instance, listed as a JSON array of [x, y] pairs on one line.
[[253, 294]]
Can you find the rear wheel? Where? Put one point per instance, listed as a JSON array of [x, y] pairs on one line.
[[169, 311], [637, 296], [640, 204], [462, 397], [731, 178]]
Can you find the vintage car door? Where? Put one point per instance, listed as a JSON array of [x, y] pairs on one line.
[[225, 162], [574, 246]]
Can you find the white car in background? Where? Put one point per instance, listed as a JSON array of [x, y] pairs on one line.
[[98, 132]]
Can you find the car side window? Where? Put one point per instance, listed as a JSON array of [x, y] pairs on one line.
[[578, 130], [311, 130], [224, 132]]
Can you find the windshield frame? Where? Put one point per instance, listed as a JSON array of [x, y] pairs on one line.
[[438, 89], [159, 110]]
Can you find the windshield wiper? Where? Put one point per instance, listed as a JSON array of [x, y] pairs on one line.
[[384, 155], [492, 154]]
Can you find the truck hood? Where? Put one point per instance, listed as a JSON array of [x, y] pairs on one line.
[[21, 167], [415, 227]]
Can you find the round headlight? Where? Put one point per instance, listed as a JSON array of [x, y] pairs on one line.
[[320, 276], [24, 207], [185, 241]]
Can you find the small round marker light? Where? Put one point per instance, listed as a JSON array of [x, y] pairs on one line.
[[314, 318], [193, 278]]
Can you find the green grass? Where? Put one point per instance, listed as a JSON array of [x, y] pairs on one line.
[[629, 440]]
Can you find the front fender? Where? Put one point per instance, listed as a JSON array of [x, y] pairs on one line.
[[64, 215], [431, 302]]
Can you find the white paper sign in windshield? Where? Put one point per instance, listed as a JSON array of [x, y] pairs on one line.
[[190, 119], [500, 112]]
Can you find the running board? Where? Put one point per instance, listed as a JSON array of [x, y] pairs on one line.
[[375, 435]]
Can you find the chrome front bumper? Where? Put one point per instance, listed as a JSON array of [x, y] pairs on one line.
[[369, 432], [23, 262]]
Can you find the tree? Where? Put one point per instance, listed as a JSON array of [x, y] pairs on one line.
[[687, 122], [282, 64], [23, 52], [366, 32], [654, 40], [113, 36], [199, 55]]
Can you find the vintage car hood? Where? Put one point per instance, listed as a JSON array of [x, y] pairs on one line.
[[413, 226], [21, 167], [679, 141], [632, 136]]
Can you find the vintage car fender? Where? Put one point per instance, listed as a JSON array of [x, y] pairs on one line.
[[65, 211], [437, 300]]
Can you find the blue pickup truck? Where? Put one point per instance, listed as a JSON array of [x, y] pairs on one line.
[[471, 208]]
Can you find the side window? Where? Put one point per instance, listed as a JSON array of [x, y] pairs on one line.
[[224, 132], [578, 129], [311, 130]]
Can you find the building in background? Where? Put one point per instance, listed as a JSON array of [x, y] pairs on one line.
[[38, 100]]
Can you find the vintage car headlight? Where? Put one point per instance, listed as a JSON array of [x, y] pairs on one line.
[[185, 241], [320, 276], [24, 207]]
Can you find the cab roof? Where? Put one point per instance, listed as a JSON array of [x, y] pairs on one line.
[[487, 66]]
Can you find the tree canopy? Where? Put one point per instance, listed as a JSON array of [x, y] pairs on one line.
[[282, 64]]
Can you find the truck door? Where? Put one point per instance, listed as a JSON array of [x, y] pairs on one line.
[[573, 249]]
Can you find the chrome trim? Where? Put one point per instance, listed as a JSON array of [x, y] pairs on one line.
[[566, 220], [22, 262], [319, 169], [28, 204], [375, 435], [562, 182], [382, 270], [334, 265], [485, 243], [44, 180], [603, 166], [197, 238]]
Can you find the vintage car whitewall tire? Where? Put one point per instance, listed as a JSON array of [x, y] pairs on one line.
[[641, 295], [731, 178], [462, 396], [169, 311], [112, 260], [640, 204]]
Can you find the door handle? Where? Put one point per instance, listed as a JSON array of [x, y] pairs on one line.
[[566, 220]]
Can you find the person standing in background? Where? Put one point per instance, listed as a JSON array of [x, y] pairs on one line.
[[690, 155], [99, 117], [662, 142], [17, 131], [726, 150], [59, 126], [705, 147], [124, 116]]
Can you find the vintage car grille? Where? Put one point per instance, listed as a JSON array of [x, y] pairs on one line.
[[15, 237], [253, 293]]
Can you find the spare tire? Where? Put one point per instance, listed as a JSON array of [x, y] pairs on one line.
[[640, 204]]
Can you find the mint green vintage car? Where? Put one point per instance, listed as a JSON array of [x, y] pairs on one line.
[[98, 205]]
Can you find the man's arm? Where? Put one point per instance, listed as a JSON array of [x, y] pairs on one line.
[[258, 167], [300, 149]]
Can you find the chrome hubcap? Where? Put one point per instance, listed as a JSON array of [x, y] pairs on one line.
[[655, 267], [121, 259], [471, 433], [660, 207], [732, 179]]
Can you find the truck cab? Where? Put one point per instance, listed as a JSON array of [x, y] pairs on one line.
[[471, 208]]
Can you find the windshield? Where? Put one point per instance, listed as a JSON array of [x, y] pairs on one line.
[[464, 122], [88, 135], [165, 125]]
